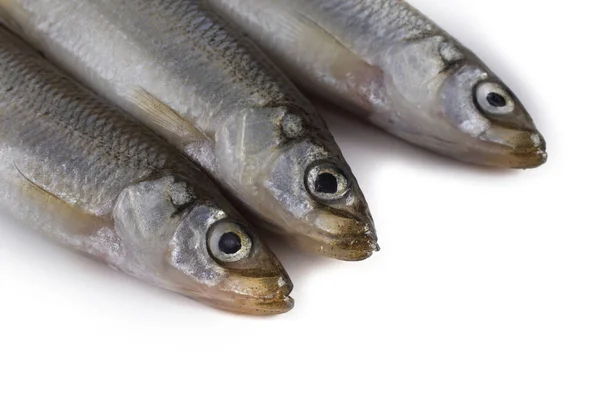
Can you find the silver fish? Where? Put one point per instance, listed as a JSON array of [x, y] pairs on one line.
[[179, 68], [95, 180], [388, 62]]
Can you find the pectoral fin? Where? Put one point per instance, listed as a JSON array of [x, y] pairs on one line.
[[69, 218], [318, 59], [12, 15], [307, 34], [166, 120]]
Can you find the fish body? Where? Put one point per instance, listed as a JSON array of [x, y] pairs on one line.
[[182, 70], [94, 179], [389, 63]]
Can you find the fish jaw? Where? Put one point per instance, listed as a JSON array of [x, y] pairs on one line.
[[356, 248], [259, 307], [340, 236], [244, 294], [496, 147], [345, 239], [280, 304], [511, 148], [253, 306], [262, 290]]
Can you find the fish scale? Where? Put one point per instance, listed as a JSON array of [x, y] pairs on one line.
[[204, 33], [92, 137], [87, 175], [386, 21], [182, 70], [389, 63]]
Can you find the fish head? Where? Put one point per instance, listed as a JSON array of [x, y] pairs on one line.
[[318, 200], [282, 163], [194, 243], [447, 99], [224, 257], [498, 129]]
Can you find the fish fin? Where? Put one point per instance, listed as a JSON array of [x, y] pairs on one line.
[[12, 15], [343, 73], [72, 219], [165, 119]]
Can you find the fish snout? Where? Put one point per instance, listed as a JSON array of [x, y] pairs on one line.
[[516, 148], [258, 295], [343, 237]]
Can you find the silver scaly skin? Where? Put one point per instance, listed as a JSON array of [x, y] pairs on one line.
[[386, 61], [180, 69], [95, 180]]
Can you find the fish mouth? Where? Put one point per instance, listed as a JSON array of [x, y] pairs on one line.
[[526, 159], [341, 234], [278, 303], [254, 306], [353, 248], [240, 295], [506, 148]]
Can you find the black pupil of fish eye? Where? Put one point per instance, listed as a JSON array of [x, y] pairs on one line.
[[230, 243], [496, 100], [326, 183]]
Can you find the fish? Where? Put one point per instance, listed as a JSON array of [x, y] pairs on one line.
[[89, 176], [185, 72], [386, 62]]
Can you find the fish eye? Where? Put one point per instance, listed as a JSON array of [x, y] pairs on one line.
[[494, 99], [327, 182], [228, 242]]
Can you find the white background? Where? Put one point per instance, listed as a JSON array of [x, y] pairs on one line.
[[487, 285]]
